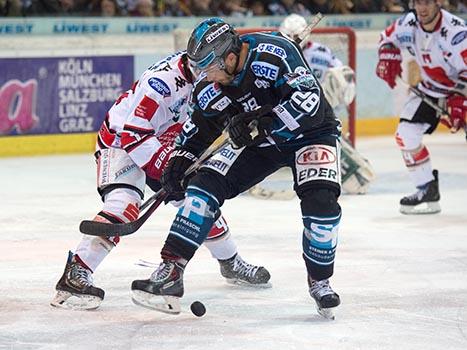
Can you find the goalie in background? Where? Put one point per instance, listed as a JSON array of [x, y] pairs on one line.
[[436, 39], [338, 82]]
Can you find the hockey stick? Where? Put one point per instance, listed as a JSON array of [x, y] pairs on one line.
[[304, 35], [95, 228], [444, 114]]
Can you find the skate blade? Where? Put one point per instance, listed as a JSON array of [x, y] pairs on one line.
[[422, 208], [67, 300], [162, 303], [326, 313], [238, 282]]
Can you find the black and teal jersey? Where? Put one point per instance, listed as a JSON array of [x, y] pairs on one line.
[[274, 73]]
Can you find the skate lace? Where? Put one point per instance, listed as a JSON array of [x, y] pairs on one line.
[[244, 268], [81, 275], [321, 288], [162, 272]]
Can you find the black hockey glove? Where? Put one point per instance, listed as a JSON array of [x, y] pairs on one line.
[[173, 179], [243, 126]]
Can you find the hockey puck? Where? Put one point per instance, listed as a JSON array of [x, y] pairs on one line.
[[198, 308]]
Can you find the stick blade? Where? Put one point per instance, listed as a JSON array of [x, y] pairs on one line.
[[95, 228]]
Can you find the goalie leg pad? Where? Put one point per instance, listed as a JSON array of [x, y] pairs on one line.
[[357, 173], [115, 169], [321, 217]]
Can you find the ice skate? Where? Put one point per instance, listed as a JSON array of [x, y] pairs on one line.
[[326, 299], [236, 271], [163, 290], [424, 201], [75, 289]]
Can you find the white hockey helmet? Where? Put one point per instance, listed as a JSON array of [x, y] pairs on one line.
[[292, 25]]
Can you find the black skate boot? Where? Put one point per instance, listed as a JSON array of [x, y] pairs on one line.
[[236, 270], [75, 289], [424, 201], [326, 299], [166, 283]]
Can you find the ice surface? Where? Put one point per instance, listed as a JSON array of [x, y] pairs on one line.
[[402, 279]]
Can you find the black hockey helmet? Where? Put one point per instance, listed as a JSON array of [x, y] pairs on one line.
[[210, 42]]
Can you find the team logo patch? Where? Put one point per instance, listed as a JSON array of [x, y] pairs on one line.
[[459, 37], [265, 70], [317, 155], [160, 86], [208, 94], [304, 80], [272, 49]]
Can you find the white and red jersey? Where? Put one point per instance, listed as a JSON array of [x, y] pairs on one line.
[[320, 58], [441, 54], [150, 115]]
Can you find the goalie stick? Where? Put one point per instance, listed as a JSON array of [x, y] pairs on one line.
[[95, 228], [304, 35]]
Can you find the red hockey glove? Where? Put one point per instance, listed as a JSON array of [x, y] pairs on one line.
[[156, 165], [389, 65], [457, 108]]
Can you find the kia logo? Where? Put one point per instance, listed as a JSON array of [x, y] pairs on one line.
[[316, 155]]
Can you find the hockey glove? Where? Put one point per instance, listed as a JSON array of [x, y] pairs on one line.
[[156, 165], [389, 65], [457, 108], [240, 127], [173, 179]]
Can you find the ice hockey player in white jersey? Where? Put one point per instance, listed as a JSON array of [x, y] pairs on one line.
[[338, 82], [134, 144], [437, 41]]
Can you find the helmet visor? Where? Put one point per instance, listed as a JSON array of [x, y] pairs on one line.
[[208, 65]]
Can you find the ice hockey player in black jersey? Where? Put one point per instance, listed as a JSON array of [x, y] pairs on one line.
[[260, 80]]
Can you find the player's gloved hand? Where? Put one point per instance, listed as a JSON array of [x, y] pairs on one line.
[[156, 165], [173, 178], [389, 64], [244, 126], [457, 108]]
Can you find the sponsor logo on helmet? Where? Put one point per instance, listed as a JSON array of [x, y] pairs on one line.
[[208, 94], [272, 49], [317, 155], [265, 70], [211, 37], [459, 37], [221, 104], [160, 86]]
